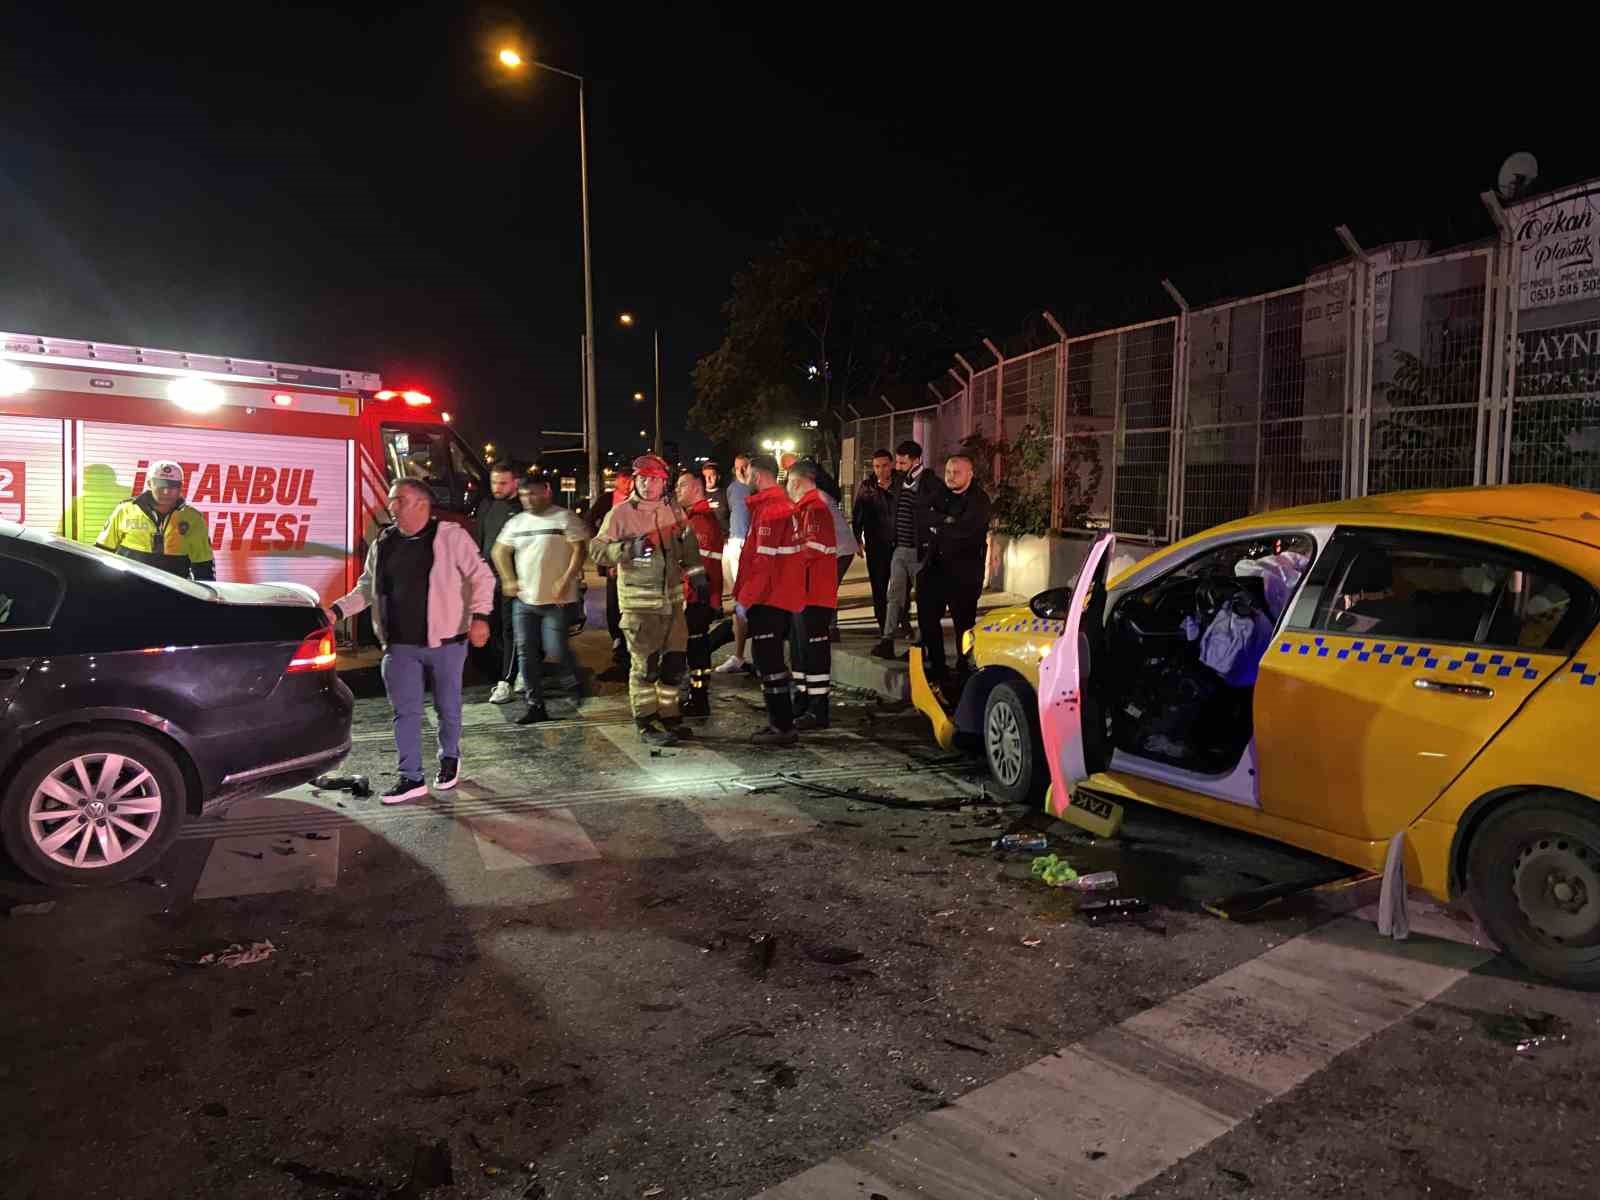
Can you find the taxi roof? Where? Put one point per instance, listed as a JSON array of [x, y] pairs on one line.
[[1563, 512]]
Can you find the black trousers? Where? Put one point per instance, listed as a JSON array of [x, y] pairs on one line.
[[816, 659], [878, 572], [619, 643], [941, 586], [769, 629], [699, 618], [508, 640]]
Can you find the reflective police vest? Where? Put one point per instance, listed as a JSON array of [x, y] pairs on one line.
[[178, 541]]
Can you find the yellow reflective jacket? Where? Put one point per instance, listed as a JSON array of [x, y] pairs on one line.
[[178, 542]]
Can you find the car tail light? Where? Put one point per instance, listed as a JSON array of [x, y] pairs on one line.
[[316, 653]]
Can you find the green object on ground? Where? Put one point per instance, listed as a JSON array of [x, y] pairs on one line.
[[1053, 870]]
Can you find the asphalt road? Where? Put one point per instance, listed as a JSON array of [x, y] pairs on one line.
[[597, 971]]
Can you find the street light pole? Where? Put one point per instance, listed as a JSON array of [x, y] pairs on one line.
[[591, 405], [658, 388], [512, 60]]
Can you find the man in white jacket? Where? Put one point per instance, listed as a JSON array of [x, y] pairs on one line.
[[430, 593]]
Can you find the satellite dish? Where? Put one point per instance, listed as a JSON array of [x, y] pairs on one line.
[[1517, 174]]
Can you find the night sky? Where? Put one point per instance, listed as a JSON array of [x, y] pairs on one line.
[[367, 191]]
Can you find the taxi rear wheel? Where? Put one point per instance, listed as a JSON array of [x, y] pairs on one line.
[[1012, 745], [1533, 875]]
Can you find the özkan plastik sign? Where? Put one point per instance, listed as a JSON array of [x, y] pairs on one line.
[[1557, 239], [277, 507]]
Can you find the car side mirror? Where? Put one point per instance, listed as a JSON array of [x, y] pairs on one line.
[[1052, 604]]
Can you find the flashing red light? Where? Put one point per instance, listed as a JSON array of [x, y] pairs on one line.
[[418, 399], [282, 399], [386, 394], [316, 653]]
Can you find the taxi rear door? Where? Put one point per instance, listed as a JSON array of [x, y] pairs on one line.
[[1404, 656]]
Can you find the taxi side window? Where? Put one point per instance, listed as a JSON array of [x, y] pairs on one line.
[[28, 595], [1445, 592]]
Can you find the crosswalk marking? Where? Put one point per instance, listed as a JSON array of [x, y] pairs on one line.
[[258, 866], [1101, 1117], [735, 817], [544, 838]]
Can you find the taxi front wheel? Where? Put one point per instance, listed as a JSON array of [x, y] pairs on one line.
[[1012, 744], [1533, 876]]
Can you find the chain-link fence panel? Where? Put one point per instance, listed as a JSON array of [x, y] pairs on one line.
[[1305, 356], [1143, 466], [985, 388], [1554, 436], [1429, 376], [1223, 413], [1087, 438]]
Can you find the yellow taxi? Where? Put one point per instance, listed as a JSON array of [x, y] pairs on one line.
[[1420, 667]]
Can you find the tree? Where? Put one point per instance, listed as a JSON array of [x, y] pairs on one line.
[[1022, 501], [819, 320]]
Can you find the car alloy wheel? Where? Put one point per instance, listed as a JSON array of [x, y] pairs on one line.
[[94, 810], [1557, 884], [1003, 741]]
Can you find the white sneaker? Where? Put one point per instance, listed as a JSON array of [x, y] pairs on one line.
[[502, 693], [731, 665]]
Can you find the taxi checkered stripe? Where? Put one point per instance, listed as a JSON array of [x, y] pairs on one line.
[[1586, 674], [1472, 662], [1034, 626]]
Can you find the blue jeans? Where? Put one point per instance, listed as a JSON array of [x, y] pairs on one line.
[[406, 669], [541, 628]]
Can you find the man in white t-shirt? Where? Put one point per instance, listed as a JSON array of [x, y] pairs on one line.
[[539, 556]]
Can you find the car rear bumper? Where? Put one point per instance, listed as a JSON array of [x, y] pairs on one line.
[[277, 776]]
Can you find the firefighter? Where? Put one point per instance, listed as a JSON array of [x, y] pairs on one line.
[[771, 587], [648, 540], [158, 528], [704, 520], [814, 534]]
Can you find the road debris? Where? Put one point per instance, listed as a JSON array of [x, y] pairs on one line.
[[1099, 912], [1098, 882], [258, 855], [283, 850], [1245, 904], [357, 785], [1525, 1031], [743, 1029], [834, 956], [213, 1109], [1020, 843], [239, 955], [1053, 871], [1032, 942], [762, 947], [967, 1046], [314, 836]]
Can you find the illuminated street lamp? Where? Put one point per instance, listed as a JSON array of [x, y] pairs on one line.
[[512, 60], [627, 320], [638, 397]]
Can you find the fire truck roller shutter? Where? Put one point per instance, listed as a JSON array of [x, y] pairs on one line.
[[277, 507], [32, 471]]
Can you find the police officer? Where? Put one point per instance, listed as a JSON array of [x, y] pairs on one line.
[[158, 528]]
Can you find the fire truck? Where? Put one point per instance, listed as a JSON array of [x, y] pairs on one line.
[[291, 464]]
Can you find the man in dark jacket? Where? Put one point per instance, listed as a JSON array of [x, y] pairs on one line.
[[872, 521], [914, 496], [498, 507], [953, 575]]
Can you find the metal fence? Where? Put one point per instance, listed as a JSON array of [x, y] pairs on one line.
[[1373, 375]]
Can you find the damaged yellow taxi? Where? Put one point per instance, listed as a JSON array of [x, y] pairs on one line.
[[1419, 669]]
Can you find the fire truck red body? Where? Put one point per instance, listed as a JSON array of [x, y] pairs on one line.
[[290, 464]]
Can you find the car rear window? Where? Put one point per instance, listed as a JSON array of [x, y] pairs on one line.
[[115, 562]]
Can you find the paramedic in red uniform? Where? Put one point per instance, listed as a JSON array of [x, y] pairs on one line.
[[819, 557], [706, 523], [771, 586]]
